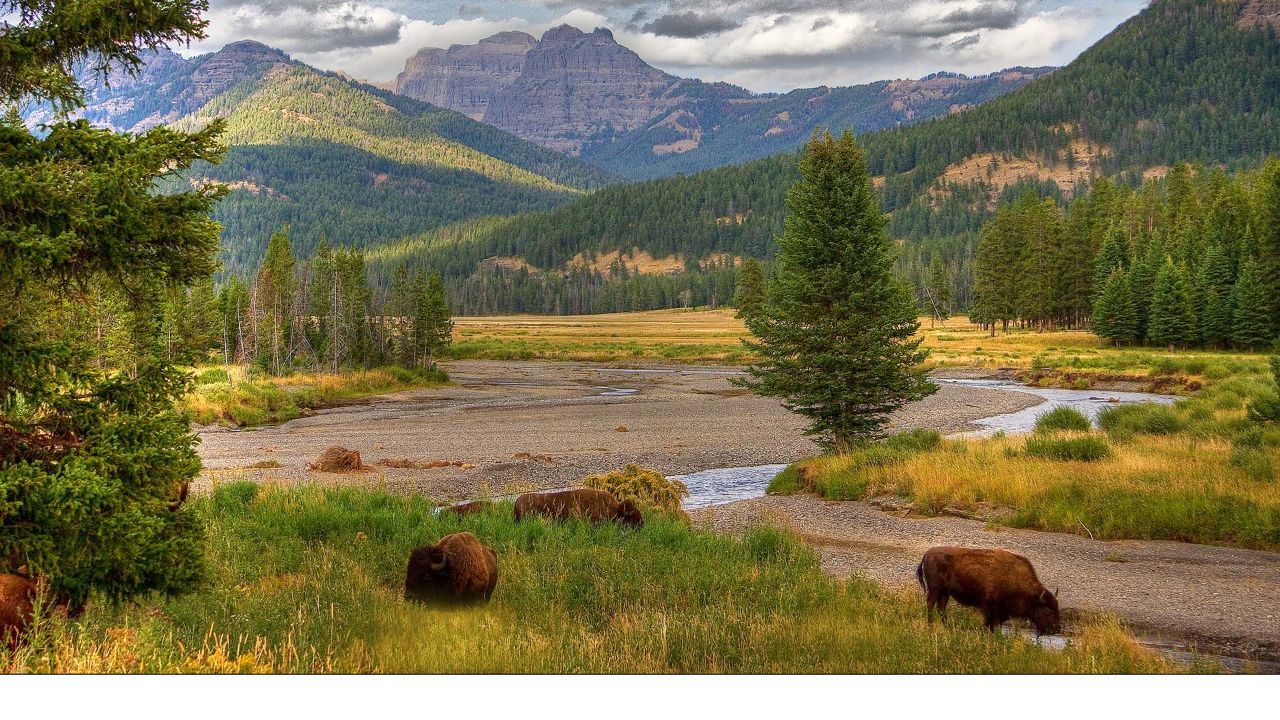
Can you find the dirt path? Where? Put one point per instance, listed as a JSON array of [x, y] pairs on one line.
[[1226, 599], [529, 425]]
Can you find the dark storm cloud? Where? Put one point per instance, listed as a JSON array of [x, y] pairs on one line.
[[690, 25], [992, 16], [470, 12], [309, 26]]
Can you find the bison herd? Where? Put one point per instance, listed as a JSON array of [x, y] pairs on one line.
[[1000, 584], [460, 569]]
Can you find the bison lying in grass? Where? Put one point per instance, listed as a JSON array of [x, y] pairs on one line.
[[999, 583], [456, 569], [598, 506]]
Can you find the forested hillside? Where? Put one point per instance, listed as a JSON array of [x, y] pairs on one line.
[[330, 157], [1185, 80]]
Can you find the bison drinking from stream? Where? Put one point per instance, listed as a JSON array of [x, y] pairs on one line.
[[456, 569], [999, 583]]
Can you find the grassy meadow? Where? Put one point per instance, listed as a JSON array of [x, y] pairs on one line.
[[1200, 471], [309, 580]]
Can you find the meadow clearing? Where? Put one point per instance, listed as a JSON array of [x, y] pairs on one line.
[[309, 579]]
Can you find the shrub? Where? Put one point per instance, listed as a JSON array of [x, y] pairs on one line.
[[647, 488], [1140, 419], [914, 441], [1062, 418], [210, 376], [1084, 448]]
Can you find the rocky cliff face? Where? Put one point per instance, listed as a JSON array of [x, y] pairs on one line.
[[562, 91], [466, 77]]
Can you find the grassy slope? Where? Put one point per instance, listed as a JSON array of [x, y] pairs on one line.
[[308, 580]]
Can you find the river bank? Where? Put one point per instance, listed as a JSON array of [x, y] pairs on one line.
[[532, 425]]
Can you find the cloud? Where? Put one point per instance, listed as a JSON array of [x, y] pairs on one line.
[[306, 26], [761, 44], [689, 25]]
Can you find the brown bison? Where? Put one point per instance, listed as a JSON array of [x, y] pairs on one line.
[[17, 606], [595, 505], [465, 509], [999, 583], [456, 569]]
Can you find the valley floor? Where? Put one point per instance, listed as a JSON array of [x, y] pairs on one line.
[[519, 426]]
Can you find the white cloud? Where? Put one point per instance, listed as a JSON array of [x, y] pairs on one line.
[[777, 44]]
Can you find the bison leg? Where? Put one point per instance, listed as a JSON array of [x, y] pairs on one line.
[[992, 619], [937, 599]]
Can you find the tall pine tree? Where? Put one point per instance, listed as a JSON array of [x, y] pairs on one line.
[[835, 336], [749, 295]]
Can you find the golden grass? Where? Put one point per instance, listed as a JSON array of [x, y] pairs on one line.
[[1151, 487], [715, 336]]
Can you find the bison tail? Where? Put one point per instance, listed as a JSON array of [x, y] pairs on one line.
[[920, 577]]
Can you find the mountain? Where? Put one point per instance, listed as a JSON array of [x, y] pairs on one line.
[[330, 156], [1183, 81], [586, 95]]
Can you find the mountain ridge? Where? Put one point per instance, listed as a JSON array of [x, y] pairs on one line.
[[589, 96]]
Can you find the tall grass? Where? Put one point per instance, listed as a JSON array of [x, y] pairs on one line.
[[226, 396], [309, 580]]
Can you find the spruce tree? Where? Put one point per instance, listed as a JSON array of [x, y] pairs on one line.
[[750, 292], [93, 459], [1267, 201], [1214, 283], [437, 321], [1114, 315], [1171, 320], [835, 336], [1113, 254], [1252, 325]]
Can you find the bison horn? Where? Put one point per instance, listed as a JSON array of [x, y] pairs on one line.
[[437, 566], [1042, 594]]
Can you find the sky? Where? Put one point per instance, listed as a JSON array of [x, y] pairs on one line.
[[763, 45]]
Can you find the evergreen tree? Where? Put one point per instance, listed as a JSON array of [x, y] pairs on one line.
[[1214, 285], [1114, 315], [835, 336], [92, 460], [437, 321], [750, 293], [402, 305], [1113, 254], [1267, 200], [1252, 325], [995, 282], [1171, 318], [1142, 280], [274, 294], [938, 291]]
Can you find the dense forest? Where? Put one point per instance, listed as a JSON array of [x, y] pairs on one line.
[[1189, 260], [1179, 82]]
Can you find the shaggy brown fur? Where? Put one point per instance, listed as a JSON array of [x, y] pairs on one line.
[[183, 491], [338, 460], [999, 583], [17, 605], [477, 506], [594, 505], [456, 569]]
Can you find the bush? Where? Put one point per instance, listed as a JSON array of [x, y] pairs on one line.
[[1140, 419], [914, 441], [647, 488], [1062, 418], [1085, 448], [210, 376]]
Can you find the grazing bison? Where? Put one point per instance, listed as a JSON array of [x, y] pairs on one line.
[[999, 583], [595, 505], [456, 569], [17, 606], [476, 506]]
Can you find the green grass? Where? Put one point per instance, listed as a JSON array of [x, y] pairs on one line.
[[1125, 421], [1062, 418], [228, 398], [309, 580], [1084, 448]]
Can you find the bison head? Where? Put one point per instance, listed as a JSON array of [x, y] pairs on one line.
[[436, 559], [629, 514], [1045, 615]]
